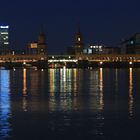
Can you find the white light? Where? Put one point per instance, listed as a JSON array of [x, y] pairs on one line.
[[24, 63], [42, 70], [13, 52], [100, 47], [79, 39], [4, 27], [6, 43], [53, 57], [101, 63], [4, 33], [130, 63], [69, 57], [63, 60]]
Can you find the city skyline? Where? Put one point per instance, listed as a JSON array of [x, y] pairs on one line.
[[103, 22]]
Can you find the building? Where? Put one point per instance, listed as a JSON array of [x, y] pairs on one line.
[[131, 45], [100, 49], [93, 49], [4, 39]]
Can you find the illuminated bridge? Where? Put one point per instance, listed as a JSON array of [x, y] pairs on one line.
[[94, 60], [70, 60]]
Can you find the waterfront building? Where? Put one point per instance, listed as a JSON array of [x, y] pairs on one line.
[[4, 39], [100, 49], [93, 49], [131, 45]]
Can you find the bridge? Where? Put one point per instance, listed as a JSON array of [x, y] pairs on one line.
[[69, 60]]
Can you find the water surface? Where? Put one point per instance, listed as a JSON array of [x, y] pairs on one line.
[[69, 104]]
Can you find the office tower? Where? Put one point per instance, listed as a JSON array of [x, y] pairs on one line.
[[4, 39]]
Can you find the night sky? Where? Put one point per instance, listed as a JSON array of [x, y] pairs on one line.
[[101, 21]]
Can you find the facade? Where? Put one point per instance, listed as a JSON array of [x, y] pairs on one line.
[[131, 45], [100, 49], [4, 39], [93, 49]]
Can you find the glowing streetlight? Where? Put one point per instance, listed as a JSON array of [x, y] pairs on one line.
[[101, 62], [130, 63]]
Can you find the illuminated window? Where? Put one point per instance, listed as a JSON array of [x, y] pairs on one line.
[[79, 39], [100, 47], [4, 27], [4, 33], [6, 43], [89, 51], [132, 42]]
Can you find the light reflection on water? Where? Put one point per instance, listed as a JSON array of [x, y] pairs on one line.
[[62, 82], [5, 111], [131, 100], [58, 101]]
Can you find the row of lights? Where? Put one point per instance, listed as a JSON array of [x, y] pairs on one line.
[[129, 62], [96, 47], [99, 62], [14, 69], [54, 57]]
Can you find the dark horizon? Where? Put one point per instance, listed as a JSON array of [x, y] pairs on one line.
[[101, 22]]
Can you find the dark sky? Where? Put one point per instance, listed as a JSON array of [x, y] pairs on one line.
[[101, 21]]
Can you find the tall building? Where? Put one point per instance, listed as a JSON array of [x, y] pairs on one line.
[[79, 45], [4, 38]]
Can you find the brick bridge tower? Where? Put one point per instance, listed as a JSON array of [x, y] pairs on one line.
[[79, 45], [41, 44]]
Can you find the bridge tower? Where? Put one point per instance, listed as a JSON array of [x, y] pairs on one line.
[[79, 45], [41, 44]]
